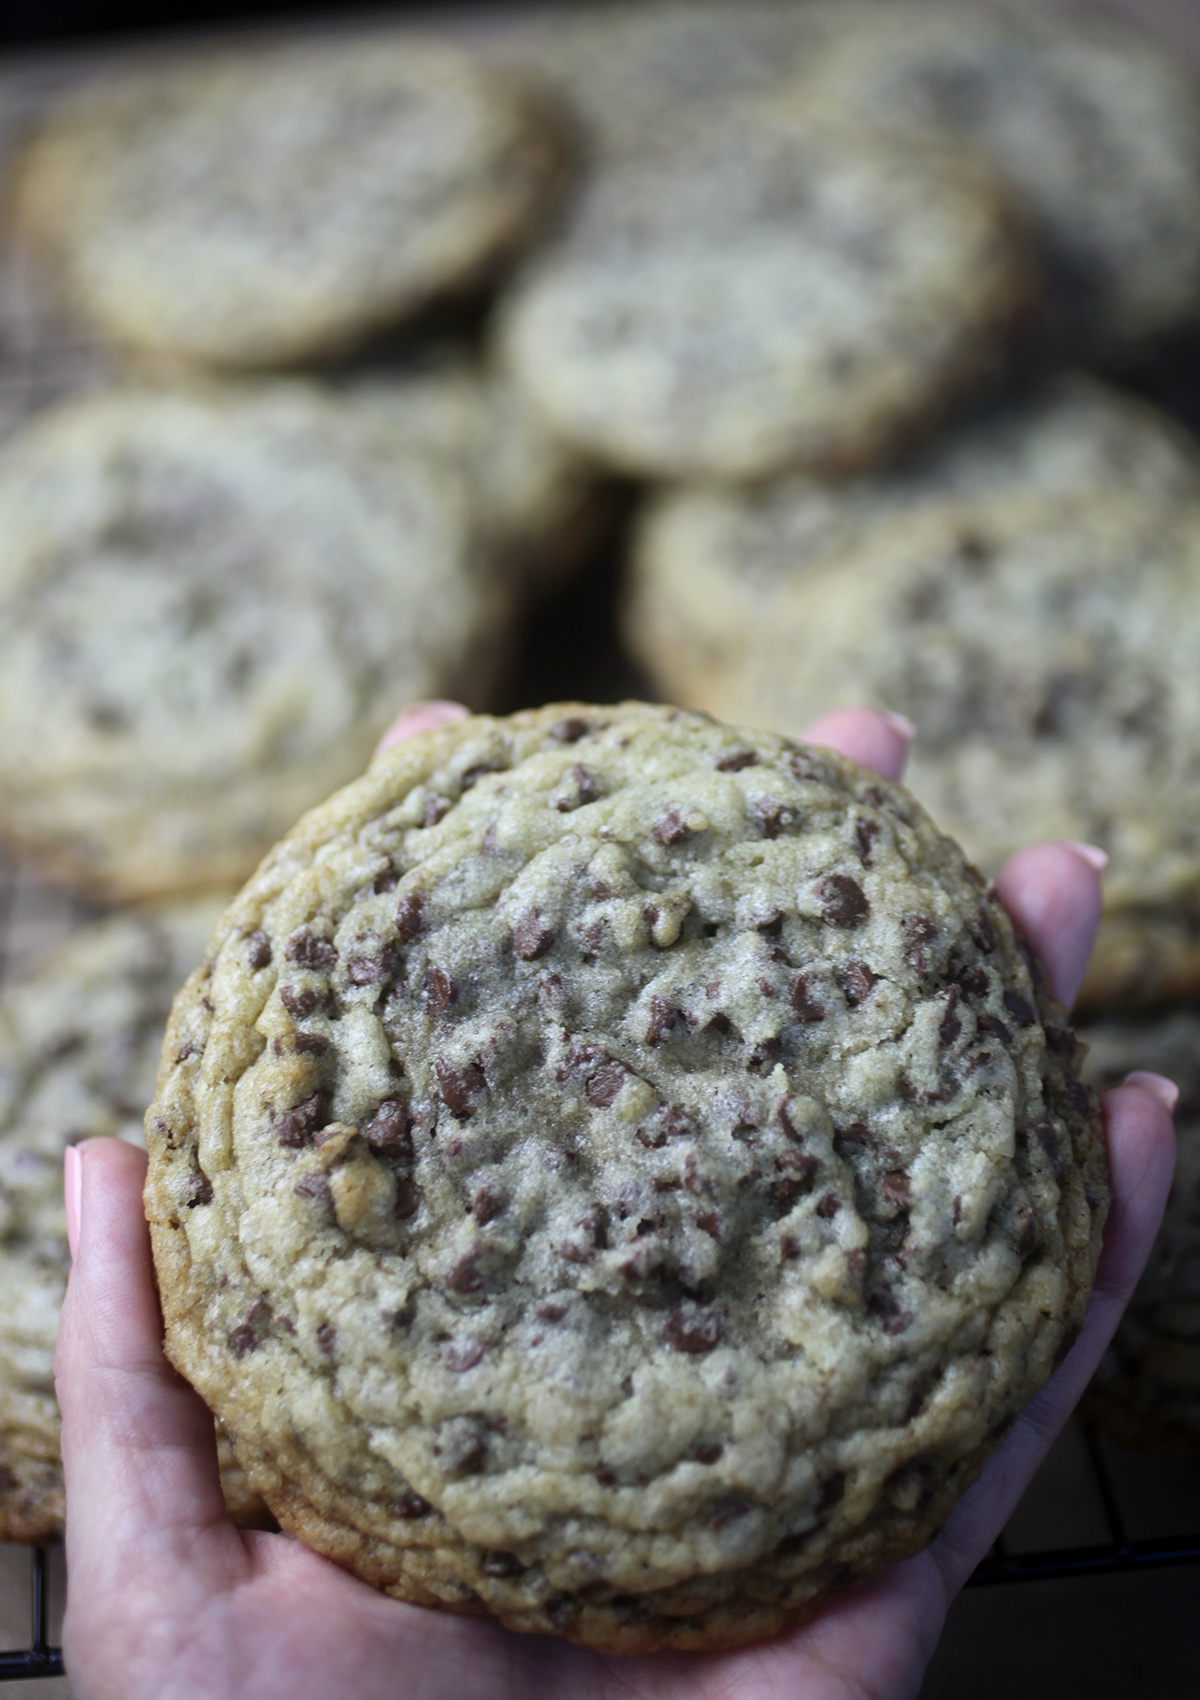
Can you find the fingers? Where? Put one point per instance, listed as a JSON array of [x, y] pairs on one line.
[[421, 717], [138, 1447], [1141, 1154], [1052, 892], [872, 737]]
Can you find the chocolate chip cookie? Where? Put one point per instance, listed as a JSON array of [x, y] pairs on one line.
[[619, 1173], [268, 207], [1091, 123], [753, 290], [1044, 649], [211, 604], [1146, 1392], [80, 1033]]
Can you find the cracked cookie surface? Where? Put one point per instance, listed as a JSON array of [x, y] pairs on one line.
[[619, 1173], [80, 1033]]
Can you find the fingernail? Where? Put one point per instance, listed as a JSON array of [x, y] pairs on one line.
[[73, 1195], [900, 723], [1091, 853], [1157, 1085], [422, 717]]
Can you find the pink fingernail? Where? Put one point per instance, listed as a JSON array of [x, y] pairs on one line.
[[1091, 853], [900, 723], [422, 717], [1158, 1087], [73, 1195]]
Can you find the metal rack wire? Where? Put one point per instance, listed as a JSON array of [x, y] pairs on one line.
[[39, 1658]]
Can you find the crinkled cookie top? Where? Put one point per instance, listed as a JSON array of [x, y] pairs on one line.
[[638, 1145]]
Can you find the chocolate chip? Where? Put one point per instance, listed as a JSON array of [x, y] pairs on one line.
[[410, 1504], [896, 1190], [983, 932], [802, 765], [663, 1017], [843, 902], [1061, 1041], [718, 1023], [259, 953], [315, 1186], [295, 1127], [761, 1058], [571, 730], [857, 982], [709, 1222], [919, 934], [461, 1088], [795, 1173], [950, 1025], [772, 926], [693, 1328], [410, 916], [472, 775], [310, 1044], [1048, 1139], [436, 808], [461, 1355], [308, 951], [853, 1142], [866, 831], [326, 1337], [460, 1447], [550, 1311], [299, 1003], [672, 828], [828, 1206], [736, 760], [887, 1308], [488, 1203], [804, 999], [728, 1510], [497, 1563], [974, 982], [408, 1198], [369, 970], [440, 990], [1020, 1008], [992, 1024], [772, 818], [385, 881], [606, 1083], [585, 788], [531, 937], [250, 1334], [388, 1130], [197, 1189], [466, 1275]]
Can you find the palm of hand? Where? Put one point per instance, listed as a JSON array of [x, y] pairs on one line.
[[168, 1599]]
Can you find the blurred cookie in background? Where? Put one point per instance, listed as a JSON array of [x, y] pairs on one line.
[[282, 204], [709, 564], [1090, 122], [80, 1033], [1043, 645], [753, 290], [211, 605], [1146, 1392]]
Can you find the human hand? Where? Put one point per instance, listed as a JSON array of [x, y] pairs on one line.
[[168, 1601]]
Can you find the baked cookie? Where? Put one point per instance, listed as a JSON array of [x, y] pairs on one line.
[[278, 205], [1044, 648], [708, 565], [1146, 1392], [619, 1173], [211, 604], [752, 290], [1094, 127], [80, 1033]]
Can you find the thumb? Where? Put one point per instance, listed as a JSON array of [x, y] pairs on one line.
[[139, 1453]]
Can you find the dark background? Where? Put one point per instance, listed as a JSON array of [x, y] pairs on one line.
[[33, 21]]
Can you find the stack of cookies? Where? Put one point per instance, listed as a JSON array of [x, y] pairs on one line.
[[361, 336]]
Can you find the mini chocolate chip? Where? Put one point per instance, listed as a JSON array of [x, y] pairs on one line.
[[796, 1172], [805, 1002], [309, 951], [1050, 1143], [853, 1141], [531, 937], [773, 818], [692, 1328], [410, 916], [1061, 1041], [466, 1275], [828, 1206], [310, 1044], [606, 1083], [295, 1127], [461, 1447], [672, 828], [315, 1186], [488, 1203], [550, 1311], [887, 1308], [896, 1190], [461, 1088], [992, 1024], [259, 954], [408, 1198], [411, 1504], [497, 1563], [461, 1355], [843, 901], [719, 1023], [950, 1025], [472, 775], [250, 1334], [919, 934], [736, 760], [299, 1003], [436, 808], [1019, 1008], [761, 1058], [983, 932], [857, 982], [663, 1017], [369, 970], [571, 730], [772, 926], [585, 789], [440, 990], [242, 1340], [388, 1130], [728, 1509], [386, 881], [803, 765], [974, 982], [709, 1222], [197, 1189], [326, 1337], [866, 831]]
